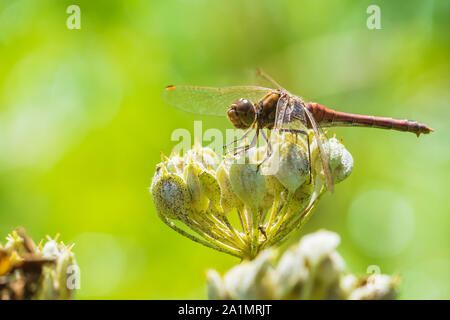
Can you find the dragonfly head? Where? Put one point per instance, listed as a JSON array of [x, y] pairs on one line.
[[242, 113]]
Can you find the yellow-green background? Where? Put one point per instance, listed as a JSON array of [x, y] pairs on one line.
[[82, 125]]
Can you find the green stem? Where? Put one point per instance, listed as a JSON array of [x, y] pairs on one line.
[[198, 240], [195, 226], [284, 231], [253, 214], [273, 213], [244, 222], [283, 212], [233, 230]]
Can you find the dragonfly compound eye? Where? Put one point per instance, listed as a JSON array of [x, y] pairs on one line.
[[241, 113]]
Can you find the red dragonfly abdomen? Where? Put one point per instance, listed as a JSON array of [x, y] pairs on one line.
[[331, 118]]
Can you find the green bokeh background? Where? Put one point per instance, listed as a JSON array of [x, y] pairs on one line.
[[82, 125]]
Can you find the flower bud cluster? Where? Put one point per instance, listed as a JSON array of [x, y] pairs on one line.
[[37, 272], [311, 269], [244, 203]]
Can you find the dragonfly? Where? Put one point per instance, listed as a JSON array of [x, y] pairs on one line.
[[256, 108]]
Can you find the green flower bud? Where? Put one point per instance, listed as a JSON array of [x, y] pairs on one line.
[[293, 163], [228, 199], [210, 187], [199, 201], [203, 156], [248, 184], [302, 197], [341, 161], [273, 187], [171, 196], [175, 164]]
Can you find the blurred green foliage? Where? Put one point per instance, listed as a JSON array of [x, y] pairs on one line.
[[82, 125]]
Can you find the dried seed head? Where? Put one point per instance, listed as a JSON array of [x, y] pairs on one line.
[[37, 273]]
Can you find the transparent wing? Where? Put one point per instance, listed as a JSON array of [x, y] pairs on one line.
[[323, 156], [292, 114], [210, 100], [282, 105]]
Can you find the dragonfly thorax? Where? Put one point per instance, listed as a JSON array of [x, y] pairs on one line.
[[267, 110]]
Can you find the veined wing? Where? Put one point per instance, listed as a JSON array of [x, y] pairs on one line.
[[323, 156], [282, 106], [292, 114], [210, 100]]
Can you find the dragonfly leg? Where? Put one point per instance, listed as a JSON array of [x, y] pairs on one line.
[[294, 131], [237, 140], [268, 151], [245, 148], [239, 150]]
